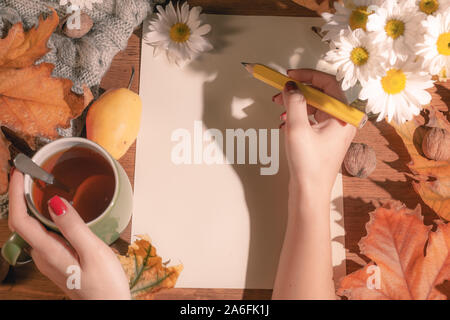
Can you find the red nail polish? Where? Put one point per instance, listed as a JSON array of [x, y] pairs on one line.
[[291, 86], [282, 125], [57, 205], [282, 115]]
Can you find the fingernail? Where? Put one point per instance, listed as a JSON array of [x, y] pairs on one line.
[[282, 125], [291, 86], [57, 205], [283, 115], [11, 171]]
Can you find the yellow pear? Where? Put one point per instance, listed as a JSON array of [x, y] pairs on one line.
[[113, 121]]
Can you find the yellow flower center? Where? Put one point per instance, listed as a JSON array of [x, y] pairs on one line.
[[359, 56], [443, 44], [395, 28], [358, 18], [428, 6], [394, 81], [180, 32]]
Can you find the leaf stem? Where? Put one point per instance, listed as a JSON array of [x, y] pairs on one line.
[[131, 78], [141, 269]]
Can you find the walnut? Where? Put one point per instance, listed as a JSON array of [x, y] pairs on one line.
[[436, 144], [86, 25], [360, 160]]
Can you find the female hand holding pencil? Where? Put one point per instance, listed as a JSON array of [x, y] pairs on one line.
[[315, 153]]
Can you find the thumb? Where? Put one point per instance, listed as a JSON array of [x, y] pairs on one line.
[[296, 108], [72, 226]]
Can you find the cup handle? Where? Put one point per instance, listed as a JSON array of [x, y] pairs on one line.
[[13, 248]]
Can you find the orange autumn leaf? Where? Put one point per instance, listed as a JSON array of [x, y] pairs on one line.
[[146, 272], [21, 49], [4, 166], [408, 260], [432, 177], [32, 102]]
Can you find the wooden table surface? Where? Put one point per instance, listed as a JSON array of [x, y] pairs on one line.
[[360, 195]]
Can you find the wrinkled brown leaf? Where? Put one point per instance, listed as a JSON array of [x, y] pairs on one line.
[[21, 49], [396, 241], [146, 271], [32, 102], [4, 165]]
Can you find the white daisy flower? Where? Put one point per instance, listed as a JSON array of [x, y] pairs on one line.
[[397, 27], [179, 33], [399, 94], [352, 14], [80, 3], [433, 7], [355, 58], [435, 49]]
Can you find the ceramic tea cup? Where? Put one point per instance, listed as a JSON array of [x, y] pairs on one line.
[[107, 226]]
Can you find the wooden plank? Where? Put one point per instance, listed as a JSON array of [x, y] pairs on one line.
[[254, 7]]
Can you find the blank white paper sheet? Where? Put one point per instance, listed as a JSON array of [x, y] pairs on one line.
[[224, 222]]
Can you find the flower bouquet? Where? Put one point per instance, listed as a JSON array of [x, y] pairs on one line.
[[392, 48]]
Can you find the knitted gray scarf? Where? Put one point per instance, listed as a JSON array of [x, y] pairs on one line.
[[85, 60]]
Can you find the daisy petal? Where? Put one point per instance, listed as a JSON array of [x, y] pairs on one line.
[[204, 29]]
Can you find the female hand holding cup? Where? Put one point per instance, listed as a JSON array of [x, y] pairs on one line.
[[72, 250], [101, 274]]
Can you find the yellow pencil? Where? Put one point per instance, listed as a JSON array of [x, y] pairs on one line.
[[313, 96]]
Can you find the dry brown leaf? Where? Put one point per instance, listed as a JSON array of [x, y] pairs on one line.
[[396, 241], [146, 271], [21, 49], [32, 102], [318, 6], [4, 165], [432, 177]]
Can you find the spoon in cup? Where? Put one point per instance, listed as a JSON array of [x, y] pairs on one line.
[[25, 165]]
